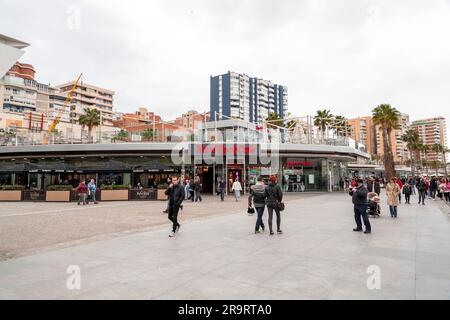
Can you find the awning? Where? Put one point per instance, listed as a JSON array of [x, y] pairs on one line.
[[154, 166]]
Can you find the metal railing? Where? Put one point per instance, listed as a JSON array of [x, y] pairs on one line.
[[233, 130]]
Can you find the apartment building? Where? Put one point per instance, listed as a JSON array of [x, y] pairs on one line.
[[239, 96], [90, 96], [432, 131], [363, 131], [22, 97], [164, 131], [399, 147], [192, 119], [139, 118]]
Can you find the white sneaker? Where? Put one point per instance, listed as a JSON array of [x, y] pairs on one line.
[[172, 235]]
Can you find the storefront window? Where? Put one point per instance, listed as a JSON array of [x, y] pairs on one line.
[[110, 179], [5, 179], [302, 175]]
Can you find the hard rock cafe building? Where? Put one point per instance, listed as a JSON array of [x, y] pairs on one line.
[[299, 167]]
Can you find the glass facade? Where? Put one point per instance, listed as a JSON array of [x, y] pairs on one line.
[[295, 174], [304, 175]]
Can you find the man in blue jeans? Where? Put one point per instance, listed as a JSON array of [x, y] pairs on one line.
[[258, 195], [359, 198], [222, 188]]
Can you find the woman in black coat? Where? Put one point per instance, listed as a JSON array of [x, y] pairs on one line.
[[377, 187]]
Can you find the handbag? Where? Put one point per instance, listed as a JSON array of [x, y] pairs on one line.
[[251, 210], [281, 206]]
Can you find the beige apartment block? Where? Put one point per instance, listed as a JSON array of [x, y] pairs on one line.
[[363, 131], [89, 96], [432, 131]]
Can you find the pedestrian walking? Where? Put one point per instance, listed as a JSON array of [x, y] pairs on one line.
[[176, 196], [377, 186], [192, 191], [198, 189], [222, 187], [257, 197], [433, 188], [371, 184], [274, 203], [412, 184], [237, 188], [187, 187], [407, 191], [360, 203], [447, 190], [392, 192], [82, 191], [400, 185], [422, 189], [92, 189]]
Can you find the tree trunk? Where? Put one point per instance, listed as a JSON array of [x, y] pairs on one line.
[[389, 165], [90, 139]]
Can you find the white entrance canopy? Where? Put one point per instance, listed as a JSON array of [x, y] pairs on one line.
[[11, 50]]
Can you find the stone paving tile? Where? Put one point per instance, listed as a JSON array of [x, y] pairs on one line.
[[318, 257]]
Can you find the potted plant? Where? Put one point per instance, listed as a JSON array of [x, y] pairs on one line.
[[114, 192], [58, 193], [162, 192], [10, 193]]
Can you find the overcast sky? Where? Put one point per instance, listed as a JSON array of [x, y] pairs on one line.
[[347, 56]]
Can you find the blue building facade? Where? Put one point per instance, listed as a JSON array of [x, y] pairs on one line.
[[239, 96]]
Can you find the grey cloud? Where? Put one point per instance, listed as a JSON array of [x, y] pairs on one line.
[[346, 55]]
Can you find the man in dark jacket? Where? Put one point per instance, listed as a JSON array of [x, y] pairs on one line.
[[258, 195], [222, 187], [433, 188], [359, 197], [422, 188], [176, 195]]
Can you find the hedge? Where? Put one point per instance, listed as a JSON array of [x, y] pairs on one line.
[[59, 188], [10, 188], [115, 187]]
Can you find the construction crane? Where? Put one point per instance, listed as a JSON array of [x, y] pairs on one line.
[[57, 119]]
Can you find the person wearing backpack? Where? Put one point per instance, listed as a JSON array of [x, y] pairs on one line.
[[258, 195], [274, 201]]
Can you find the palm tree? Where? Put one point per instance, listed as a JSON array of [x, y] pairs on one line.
[[122, 135], [274, 121], [412, 139], [436, 165], [292, 123], [341, 126], [442, 150], [147, 135], [387, 118], [90, 119], [322, 120], [376, 158], [424, 148]]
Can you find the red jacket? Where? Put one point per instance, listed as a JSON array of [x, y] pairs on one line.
[[400, 183], [82, 188]]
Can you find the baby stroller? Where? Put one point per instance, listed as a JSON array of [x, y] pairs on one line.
[[374, 208]]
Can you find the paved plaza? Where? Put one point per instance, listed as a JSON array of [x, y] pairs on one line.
[[219, 256]]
